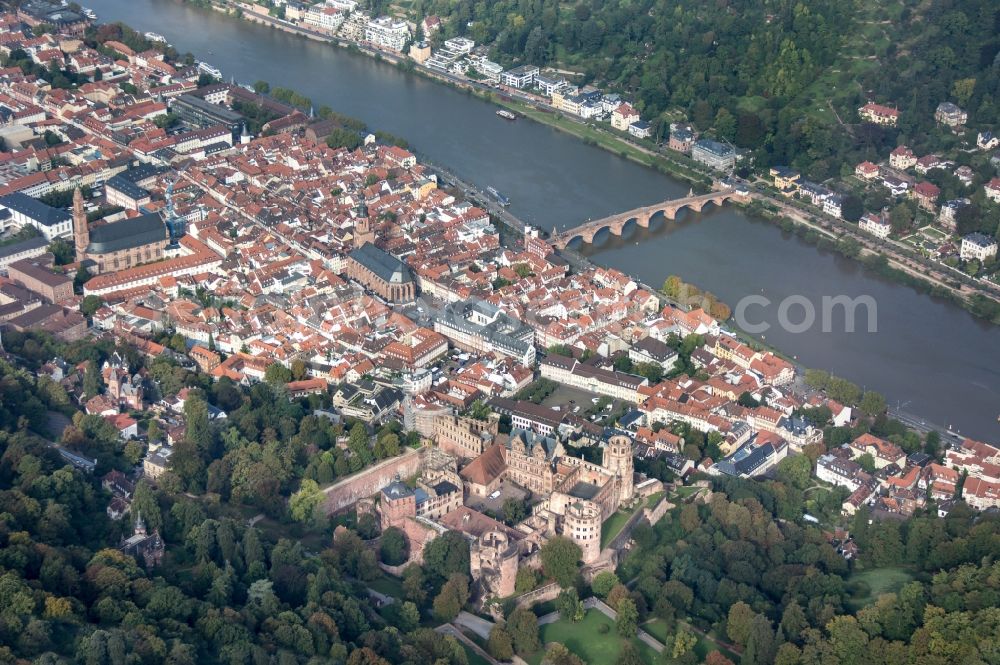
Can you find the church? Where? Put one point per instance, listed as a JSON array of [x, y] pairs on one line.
[[118, 245]]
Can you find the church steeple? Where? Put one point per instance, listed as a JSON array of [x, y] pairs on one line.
[[362, 226], [81, 232]]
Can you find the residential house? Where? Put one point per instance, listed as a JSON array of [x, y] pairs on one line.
[[878, 114], [992, 190], [843, 472], [950, 114], [875, 224], [832, 205], [682, 140], [949, 211], [986, 140], [896, 186], [640, 129], [713, 154], [981, 494], [978, 246], [623, 116], [926, 195], [929, 163], [786, 179], [883, 452], [866, 171], [902, 158]]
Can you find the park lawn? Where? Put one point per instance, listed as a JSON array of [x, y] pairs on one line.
[[654, 499], [880, 581], [388, 585], [658, 629], [586, 641]]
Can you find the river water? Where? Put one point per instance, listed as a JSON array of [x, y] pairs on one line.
[[928, 357]]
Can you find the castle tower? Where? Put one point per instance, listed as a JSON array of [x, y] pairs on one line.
[[618, 460], [582, 525], [493, 563], [396, 503], [81, 232]]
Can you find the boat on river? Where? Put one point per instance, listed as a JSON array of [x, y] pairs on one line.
[[503, 200], [506, 115], [210, 70]]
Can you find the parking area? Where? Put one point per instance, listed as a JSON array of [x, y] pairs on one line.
[[591, 406]]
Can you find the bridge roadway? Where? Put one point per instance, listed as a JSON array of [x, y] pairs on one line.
[[615, 224]]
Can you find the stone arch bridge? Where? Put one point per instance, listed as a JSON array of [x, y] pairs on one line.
[[615, 224]]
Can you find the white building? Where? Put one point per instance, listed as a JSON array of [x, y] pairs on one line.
[[832, 205], [324, 17], [716, 155], [617, 385], [549, 84], [345, 5], [843, 472], [479, 326], [490, 70], [978, 246], [461, 45], [27, 211], [520, 77], [387, 32], [877, 225]]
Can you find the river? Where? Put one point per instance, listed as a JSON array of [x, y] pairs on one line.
[[928, 357]]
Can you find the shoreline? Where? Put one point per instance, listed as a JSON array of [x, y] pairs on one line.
[[893, 267]]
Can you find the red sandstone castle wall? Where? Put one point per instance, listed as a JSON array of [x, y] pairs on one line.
[[365, 483]]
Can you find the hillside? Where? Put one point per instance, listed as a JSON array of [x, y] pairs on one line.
[[783, 76]]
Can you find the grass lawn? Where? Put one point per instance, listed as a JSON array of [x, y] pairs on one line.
[[612, 526], [585, 640], [474, 658], [879, 581], [686, 491], [654, 499], [388, 585], [658, 629]]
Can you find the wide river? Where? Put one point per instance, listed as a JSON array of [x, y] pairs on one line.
[[928, 357]]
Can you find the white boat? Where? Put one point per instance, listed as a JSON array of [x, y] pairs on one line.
[[503, 200], [89, 13], [506, 115], [155, 37], [210, 70]]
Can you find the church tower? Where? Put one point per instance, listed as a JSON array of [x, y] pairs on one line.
[[362, 227], [81, 233]]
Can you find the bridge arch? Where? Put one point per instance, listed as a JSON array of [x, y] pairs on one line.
[[615, 224]]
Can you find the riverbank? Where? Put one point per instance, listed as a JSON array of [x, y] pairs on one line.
[[884, 265], [590, 134]]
